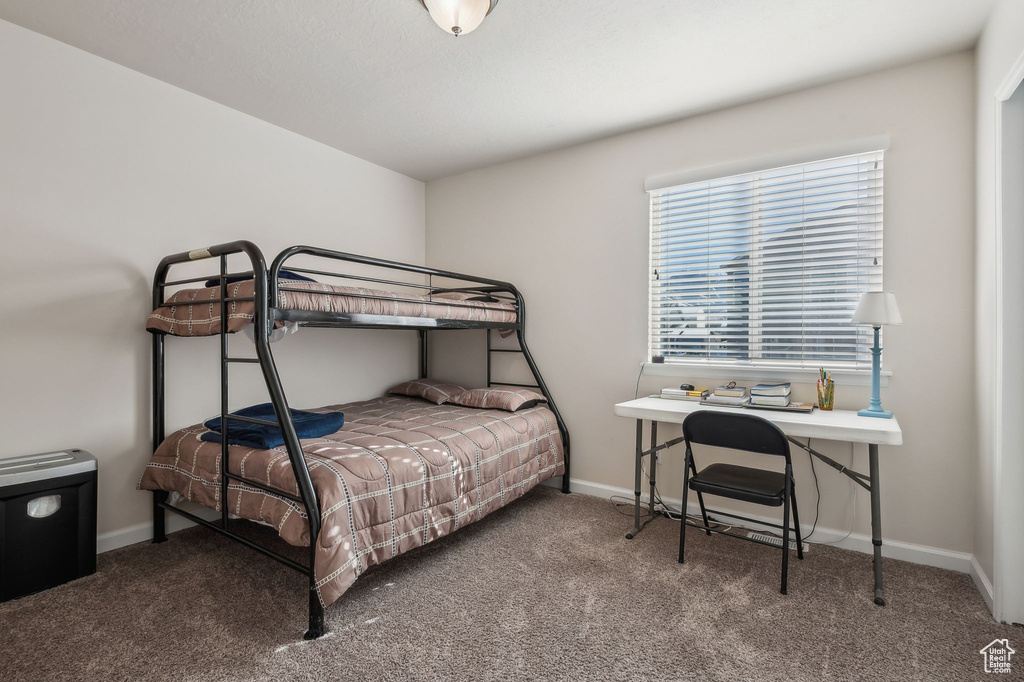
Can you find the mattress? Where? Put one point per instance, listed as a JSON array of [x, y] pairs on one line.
[[196, 312], [402, 472]]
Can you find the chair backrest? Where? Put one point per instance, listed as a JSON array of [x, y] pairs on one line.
[[736, 432]]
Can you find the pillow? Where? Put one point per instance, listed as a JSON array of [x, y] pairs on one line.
[[284, 274], [505, 398], [434, 390]]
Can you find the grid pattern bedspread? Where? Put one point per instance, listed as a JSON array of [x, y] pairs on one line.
[[195, 312], [401, 473]]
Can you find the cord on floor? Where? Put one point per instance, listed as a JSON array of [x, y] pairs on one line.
[[664, 509]]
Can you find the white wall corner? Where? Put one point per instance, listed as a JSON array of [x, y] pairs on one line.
[[981, 581]]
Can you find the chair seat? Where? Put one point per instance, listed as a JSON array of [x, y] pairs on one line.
[[741, 483]]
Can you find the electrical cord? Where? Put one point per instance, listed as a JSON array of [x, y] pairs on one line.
[[626, 502], [672, 513], [817, 491], [676, 514], [853, 515], [817, 502], [666, 509]]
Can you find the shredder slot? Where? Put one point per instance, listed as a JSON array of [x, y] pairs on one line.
[[36, 463]]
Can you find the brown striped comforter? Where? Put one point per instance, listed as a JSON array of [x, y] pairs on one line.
[[192, 312], [401, 473]]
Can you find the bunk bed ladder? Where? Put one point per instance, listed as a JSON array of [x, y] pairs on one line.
[[264, 358], [524, 350]]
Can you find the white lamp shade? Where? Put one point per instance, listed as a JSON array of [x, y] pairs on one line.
[[459, 17], [877, 308]]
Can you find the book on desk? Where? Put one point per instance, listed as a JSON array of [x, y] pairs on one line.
[[694, 395], [729, 395], [770, 395]]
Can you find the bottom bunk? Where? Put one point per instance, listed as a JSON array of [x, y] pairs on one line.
[[401, 472]]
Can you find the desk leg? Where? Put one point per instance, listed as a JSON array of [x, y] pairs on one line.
[[654, 465], [876, 522], [638, 479]]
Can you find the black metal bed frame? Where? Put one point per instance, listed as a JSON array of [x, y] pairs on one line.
[[266, 295]]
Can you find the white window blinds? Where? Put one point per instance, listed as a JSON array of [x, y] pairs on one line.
[[766, 268]]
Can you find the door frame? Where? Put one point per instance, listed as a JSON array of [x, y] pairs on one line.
[[1007, 470]]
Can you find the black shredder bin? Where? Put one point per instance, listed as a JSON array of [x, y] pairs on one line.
[[47, 521]]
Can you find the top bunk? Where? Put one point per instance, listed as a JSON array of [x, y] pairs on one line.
[[314, 287]]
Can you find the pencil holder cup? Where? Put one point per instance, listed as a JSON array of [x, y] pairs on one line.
[[826, 394]]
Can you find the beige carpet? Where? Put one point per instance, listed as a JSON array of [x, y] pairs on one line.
[[546, 589]]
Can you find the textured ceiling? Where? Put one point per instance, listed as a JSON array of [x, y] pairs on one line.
[[377, 79]]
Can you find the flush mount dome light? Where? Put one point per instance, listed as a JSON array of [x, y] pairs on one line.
[[459, 17]]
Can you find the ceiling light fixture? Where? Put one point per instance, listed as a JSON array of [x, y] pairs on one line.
[[459, 17]]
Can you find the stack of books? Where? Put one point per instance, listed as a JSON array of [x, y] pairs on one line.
[[729, 396], [696, 395], [770, 395]]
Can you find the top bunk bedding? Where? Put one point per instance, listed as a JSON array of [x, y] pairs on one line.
[[196, 312], [400, 473]]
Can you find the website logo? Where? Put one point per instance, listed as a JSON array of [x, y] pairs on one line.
[[997, 656]]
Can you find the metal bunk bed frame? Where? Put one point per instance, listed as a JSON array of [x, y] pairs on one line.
[[267, 291]]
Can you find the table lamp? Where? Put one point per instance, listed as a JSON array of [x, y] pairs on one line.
[[876, 308]]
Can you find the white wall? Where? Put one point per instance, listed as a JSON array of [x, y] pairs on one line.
[[1000, 48], [102, 172], [570, 228]]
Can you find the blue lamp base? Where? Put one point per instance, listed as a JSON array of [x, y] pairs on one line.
[[868, 412], [874, 408]]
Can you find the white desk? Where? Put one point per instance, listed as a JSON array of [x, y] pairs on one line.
[[841, 425]]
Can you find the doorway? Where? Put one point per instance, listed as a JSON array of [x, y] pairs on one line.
[[1008, 587]]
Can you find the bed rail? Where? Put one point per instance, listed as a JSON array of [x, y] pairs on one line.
[[292, 252], [502, 291], [265, 359], [479, 285]]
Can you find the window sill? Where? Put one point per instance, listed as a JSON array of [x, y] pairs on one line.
[[848, 377]]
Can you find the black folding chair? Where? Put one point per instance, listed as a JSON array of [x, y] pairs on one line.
[[750, 434]]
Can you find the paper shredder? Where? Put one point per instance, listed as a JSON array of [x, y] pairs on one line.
[[47, 521]]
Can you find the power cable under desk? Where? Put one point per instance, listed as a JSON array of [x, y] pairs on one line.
[[664, 509]]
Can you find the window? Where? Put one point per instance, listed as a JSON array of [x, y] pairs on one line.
[[765, 269]]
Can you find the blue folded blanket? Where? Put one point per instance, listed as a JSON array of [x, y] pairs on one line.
[[284, 274], [307, 425]]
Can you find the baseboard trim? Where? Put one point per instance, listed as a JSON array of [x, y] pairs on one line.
[[982, 582], [143, 532], [962, 562]]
